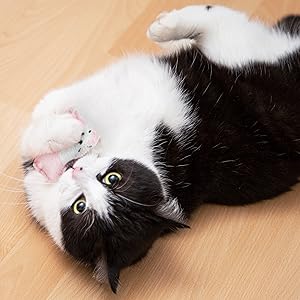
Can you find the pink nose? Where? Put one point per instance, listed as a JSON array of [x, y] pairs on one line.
[[76, 171]]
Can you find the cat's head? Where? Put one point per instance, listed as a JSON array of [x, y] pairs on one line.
[[107, 213]]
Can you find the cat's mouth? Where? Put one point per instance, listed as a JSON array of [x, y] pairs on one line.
[[70, 164]]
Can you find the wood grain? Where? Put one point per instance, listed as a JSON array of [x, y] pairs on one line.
[[248, 252]]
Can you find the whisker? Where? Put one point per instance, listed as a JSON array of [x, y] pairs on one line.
[[15, 186], [92, 223], [84, 220], [20, 180], [132, 201], [120, 187], [43, 183], [127, 188], [126, 180], [5, 189], [10, 177], [15, 203]]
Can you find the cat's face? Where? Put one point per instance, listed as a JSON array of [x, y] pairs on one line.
[[107, 212]]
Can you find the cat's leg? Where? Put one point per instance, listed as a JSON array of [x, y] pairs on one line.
[[57, 101], [225, 36]]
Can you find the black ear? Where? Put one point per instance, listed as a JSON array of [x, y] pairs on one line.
[[106, 270], [174, 225], [113, 263], [113, 277]]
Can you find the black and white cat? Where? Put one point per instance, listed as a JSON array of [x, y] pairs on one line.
[[215, 120]]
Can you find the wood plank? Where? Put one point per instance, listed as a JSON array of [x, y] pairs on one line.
[[248, 252]]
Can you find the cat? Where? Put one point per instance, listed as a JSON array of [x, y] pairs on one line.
[[215, 119]]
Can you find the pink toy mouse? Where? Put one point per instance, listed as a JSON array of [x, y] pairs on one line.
[[52, 165]]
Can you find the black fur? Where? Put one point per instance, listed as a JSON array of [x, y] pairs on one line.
[[27, 166], [85, 245], [247, 139], [289, 24]]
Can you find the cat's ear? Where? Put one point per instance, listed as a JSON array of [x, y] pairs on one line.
[[113, 264], [170, 209], [100, 270], [172, 225], [113, 274], [106, 271], [171, 215]]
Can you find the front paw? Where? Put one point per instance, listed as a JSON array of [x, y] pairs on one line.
[[64, 131], [54, 102], [51, 134]]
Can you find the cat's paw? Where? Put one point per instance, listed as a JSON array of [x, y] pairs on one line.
[[194, 24], [54, 102], [64, 131], [165, 27], [51, 134]]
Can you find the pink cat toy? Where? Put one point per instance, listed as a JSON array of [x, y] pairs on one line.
[[52, 165]]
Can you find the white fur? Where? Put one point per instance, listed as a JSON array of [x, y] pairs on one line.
[[45, 134], [124, 103], [88, 168], [47, 200], [225, 36]]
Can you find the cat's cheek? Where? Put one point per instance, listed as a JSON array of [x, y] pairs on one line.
[[44, 204], [32, 182], [53, 225]]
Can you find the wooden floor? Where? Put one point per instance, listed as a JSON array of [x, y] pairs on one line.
[[230, 253]]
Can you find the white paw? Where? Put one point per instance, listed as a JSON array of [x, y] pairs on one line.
[[51, 134], [192, 22], [64, 131], [164, 28], [54, 102]]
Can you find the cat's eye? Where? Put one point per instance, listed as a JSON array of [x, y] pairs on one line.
[[112, 179], [79, 206]]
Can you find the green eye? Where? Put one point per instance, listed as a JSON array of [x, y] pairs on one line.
[[112, 179], [79, 206]]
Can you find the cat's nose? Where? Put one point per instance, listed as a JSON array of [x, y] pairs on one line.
[[76, 171]]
